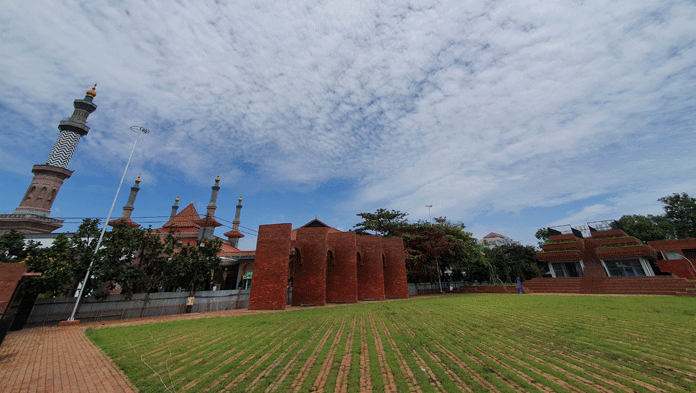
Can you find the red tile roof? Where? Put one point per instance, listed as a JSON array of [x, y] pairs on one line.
[[128, 222], [207, 222], [233, 233], [492, 235], [185, 221]]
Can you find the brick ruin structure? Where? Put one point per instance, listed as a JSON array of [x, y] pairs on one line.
[[324, 265]]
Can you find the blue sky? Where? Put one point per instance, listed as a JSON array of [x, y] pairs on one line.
[[505, 115]]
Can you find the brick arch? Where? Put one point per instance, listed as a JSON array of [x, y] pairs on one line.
[[370, 272], [332, 267], [341, 274]]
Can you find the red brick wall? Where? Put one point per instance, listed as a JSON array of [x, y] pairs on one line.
[[593, 266], [370, 270], [269, 283], [342, 278], [395, 284], [309, 283], [10, 275], [680, 268]]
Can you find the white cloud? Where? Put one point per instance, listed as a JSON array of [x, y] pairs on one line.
[[483, 106]]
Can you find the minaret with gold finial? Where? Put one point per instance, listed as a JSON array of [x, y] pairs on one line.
[[208, 223], [31, 216], [175, 208]]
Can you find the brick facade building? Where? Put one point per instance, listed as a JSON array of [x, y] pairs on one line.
[[324, 265], [611, 262]]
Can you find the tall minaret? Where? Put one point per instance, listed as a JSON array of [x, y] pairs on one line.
[[234, 235], [208, 223], [128, 209], [212, 206], [237, 221], [175, 208], [31, 216]]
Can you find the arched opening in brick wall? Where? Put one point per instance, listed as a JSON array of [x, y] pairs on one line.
[[295, 264], [246, 274], [333, 279]]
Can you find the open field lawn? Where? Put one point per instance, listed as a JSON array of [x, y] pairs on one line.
[[468, 343]]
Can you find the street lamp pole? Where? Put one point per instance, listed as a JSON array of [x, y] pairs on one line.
[[139, 131]]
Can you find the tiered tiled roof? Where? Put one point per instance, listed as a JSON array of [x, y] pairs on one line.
[[185, 221], [233, 234]]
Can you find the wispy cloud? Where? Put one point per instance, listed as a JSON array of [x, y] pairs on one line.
[[472, 107]]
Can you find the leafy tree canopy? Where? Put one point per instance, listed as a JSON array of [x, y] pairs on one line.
[[442, 243], [506, 263], [678, 221], [13, 249]]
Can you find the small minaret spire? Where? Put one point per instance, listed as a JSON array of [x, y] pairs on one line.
[[175, 207], [208, 223], [128, 209], [212, 206], [236, 222]]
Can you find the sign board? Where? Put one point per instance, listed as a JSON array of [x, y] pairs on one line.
[[189, 301]]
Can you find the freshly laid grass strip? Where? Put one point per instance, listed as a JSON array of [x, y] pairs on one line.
[[469, 343]]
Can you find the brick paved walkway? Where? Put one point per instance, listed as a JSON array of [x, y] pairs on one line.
[[63, 359], [57, 360]]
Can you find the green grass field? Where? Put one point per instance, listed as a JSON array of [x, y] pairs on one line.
[[473, 343]]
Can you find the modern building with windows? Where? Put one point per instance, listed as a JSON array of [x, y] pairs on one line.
[[610, 261]]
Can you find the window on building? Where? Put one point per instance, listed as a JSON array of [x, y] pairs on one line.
[[672, 254], [566, 269], [626, 268]]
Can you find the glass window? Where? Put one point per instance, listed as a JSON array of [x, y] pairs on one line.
[[566, 269], [625, 268], [672, 254]]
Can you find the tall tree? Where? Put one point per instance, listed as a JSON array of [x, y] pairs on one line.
[[645, 228], [441, 243], [382, 222], [64, 264], [512, 261], [678, 221], [13, 248], [133, 258], [680, 212], [542, 235], [191, 267]]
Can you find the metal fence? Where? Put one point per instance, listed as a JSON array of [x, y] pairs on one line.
[[427, 288], [49, 312]]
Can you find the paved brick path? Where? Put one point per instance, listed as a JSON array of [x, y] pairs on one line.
[[63, 359], [57, 360]]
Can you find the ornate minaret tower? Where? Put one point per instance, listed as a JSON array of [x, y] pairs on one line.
[[175, 208], [31, 216], [128, 209], [234, 235], [237, 221], [208, 223]]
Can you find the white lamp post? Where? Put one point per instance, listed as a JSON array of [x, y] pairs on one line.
[[140, 131]]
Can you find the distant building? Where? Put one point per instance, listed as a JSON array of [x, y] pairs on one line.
[[493, 240]]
